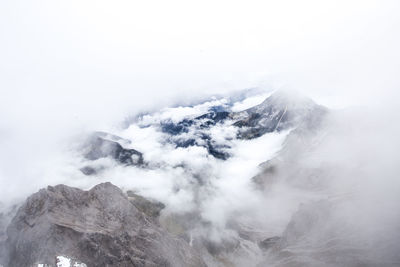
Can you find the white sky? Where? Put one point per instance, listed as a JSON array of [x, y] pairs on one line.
[[70, 53], [65, 65]]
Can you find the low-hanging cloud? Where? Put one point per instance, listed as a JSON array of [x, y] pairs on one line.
[[72, 68]]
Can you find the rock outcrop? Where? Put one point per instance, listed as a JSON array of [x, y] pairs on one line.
[[150, 207], [99, 227], [280, 111], [99, 147], [104, 145]]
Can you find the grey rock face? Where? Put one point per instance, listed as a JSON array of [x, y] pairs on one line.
[[319, 235], [152, 208], [278, 112], [99, 146], [6, 215], [200, 126], [100, 227], [290, 163]]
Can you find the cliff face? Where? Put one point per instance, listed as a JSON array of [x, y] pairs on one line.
[[99, 227], [278, 112], [319, 234]]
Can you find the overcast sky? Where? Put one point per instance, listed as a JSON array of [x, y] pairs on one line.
[[65, 65], [81, 54]]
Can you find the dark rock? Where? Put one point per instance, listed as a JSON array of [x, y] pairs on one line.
[[280, 111], [176, 128], [203, 121], [203, 139], [186, 143], [219, 109], [100, 227], [269, 242], [214, 117], [99, 147], [219, 154], [87, 170]]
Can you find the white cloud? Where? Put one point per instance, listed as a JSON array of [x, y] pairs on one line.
[[71, 67]]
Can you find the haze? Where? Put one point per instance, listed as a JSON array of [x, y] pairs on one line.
[[68, 68]]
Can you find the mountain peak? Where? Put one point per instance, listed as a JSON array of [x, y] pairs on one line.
[[282, 110], [287, 98]]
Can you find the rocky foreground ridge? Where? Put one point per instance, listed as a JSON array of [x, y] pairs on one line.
[[98, 227]]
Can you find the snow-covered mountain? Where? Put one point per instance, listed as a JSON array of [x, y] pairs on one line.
[[212, 125], [230, 181]]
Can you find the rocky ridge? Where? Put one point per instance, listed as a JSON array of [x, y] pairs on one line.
[[73, 223], [99, 227]]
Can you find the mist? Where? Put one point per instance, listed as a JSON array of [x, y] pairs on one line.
[[83, 66], [71, 68]]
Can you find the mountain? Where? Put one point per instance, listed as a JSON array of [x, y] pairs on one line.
[[318, 235], [100, 146], [99, 227], [281, 111], [197, 221], [104, 145]]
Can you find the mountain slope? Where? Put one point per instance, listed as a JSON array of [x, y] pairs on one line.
[[100, 227], [281, 111]]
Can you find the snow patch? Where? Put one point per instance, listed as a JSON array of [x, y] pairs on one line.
[[62, 261], [249, 102]]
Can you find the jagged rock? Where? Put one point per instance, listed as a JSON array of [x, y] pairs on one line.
[[87, 170], [176, 128], [201, 123], [100, 227], [100, 147], [214, 117], [280, 111], [151, 208]]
